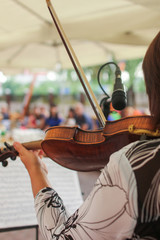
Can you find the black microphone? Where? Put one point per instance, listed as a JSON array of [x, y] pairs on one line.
[[119, 100]]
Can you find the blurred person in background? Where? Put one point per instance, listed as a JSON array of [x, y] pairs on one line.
[[83, 120], [5, 117], [29, 120], [54, 118], [40, 117], [130, 111], [70, 119]]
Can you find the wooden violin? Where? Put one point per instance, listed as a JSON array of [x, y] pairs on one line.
[[81, 150]]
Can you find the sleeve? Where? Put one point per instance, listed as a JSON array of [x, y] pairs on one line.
[[109, 212], [50, 211]]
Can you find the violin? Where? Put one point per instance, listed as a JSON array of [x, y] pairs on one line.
[[81, 150]]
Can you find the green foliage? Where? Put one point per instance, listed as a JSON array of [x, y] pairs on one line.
[[131, 66], [67, 82], [45, 87], [15, 87]]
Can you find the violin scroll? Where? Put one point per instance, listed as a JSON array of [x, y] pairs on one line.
[[7, 152], [10, 152]]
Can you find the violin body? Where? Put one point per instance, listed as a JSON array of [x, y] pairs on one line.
[[81, 150]]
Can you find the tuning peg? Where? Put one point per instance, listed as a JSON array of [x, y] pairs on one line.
[[4, 163], [13, 158], [10, 147]]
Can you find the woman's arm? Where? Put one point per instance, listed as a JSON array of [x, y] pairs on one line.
[[49, 207], [35, 167]]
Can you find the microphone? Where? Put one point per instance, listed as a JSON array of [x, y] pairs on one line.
[[119, 100]]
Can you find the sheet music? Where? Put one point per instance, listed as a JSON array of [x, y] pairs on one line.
[[16, 199]]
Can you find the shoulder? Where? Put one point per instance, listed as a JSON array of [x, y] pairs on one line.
[[138, 154], [141, 151], [145, 155]]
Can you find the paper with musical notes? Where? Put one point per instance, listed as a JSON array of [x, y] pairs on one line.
[[16, 199]]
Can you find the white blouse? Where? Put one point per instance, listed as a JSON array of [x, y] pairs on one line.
[[111, 210]]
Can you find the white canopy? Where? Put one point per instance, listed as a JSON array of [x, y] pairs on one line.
[[97, 30]]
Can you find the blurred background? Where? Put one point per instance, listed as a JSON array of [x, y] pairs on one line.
[[39, 87], [36, 72]]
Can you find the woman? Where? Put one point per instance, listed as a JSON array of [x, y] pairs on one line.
[[125, 201], [54, 119]]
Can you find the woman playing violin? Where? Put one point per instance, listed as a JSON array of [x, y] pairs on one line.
[[125, 201]]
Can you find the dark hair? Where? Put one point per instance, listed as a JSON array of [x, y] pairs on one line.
[[53, 105], [151, 70]]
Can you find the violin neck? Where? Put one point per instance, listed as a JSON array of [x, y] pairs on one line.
[[34, 145]]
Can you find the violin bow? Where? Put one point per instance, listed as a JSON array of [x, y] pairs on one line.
[[91, 97]]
